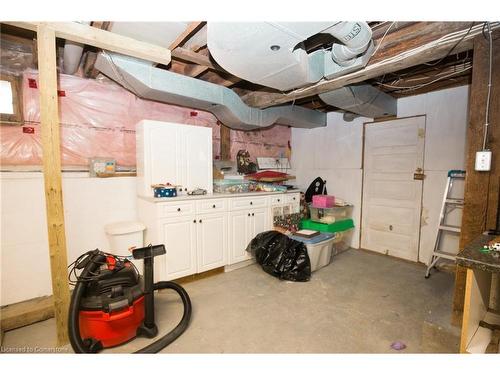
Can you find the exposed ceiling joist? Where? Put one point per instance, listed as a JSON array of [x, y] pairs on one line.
[[106, 40], [427, 42], [191, 29], [187, 55]]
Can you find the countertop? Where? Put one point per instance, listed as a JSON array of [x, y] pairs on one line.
[[471, 257], [217, 195]]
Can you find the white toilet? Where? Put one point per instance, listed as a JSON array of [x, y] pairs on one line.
[[125, 235]]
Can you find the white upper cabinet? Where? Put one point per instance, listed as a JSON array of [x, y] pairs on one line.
[[175, 153]]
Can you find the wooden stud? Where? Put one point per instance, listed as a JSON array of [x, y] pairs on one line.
[[481, 188], [51, 150], [106, 40], [225, 142]]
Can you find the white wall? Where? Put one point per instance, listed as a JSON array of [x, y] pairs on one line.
[[445, 136], [335, 153], [89, 204]]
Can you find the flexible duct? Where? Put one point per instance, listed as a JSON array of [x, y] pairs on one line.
[[149, 82], [362, 99], [356, 38]]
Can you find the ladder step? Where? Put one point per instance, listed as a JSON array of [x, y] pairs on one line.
[[442, 254], [455, 201], [450, 228]]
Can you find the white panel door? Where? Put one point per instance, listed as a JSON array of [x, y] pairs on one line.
[[239, 226], [179, 237], [392, 198], [197, 156], [211, 230]]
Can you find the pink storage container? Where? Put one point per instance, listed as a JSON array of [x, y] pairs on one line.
[[323, 201]]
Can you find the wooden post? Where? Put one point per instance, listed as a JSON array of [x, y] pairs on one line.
[[225, 142], [51, 150], [481, 188]]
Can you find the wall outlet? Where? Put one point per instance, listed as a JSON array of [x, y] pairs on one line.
[[483, 160]]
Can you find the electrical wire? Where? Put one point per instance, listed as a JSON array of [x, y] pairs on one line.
[[452, 48], [487, 111]]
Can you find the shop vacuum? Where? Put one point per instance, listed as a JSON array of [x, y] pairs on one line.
[[112, 303]]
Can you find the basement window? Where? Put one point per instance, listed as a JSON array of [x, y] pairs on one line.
[[10, 100]]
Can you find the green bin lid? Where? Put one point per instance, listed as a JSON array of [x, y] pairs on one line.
[[338, 226]]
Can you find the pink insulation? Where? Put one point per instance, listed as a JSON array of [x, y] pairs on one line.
[[98, 120]]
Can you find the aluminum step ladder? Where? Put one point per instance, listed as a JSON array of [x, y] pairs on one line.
[[449, 204]]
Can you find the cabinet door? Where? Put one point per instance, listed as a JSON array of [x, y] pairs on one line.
[[239, 226], [197, 156], [179, 237], [259, 222], [211, 231]]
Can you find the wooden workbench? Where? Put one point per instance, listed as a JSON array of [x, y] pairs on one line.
[[481, 294]]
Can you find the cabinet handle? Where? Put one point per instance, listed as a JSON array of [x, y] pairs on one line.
[[194, 221], [293, 198], [278, 200], [179, 209], [249, 214], [252, 214], [213, 206], [200, 221], [251, 203]]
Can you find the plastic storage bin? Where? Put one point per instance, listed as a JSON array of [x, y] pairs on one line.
[[342, 241], [330, 215], [231, 186], [320, 253]]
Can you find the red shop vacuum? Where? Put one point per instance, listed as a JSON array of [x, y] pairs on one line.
[[112, 303]]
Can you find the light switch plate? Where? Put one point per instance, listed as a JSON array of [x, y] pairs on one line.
[[483, 161]]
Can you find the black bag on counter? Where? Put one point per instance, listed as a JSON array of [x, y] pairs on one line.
[[280, 256]]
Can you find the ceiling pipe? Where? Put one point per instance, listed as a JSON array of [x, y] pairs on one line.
[[72, 55], [149, 82]]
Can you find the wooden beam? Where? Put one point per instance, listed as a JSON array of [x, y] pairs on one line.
[[27, 312], [191, 29], [422, 45], [185, 54], [51, 150], [106, 40], [481, 188]]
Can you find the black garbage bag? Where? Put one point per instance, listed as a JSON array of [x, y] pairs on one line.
[[281, 256]]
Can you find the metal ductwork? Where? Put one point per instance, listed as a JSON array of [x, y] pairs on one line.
[[272, 54], [72, 55], [363, 99], [149, 82]]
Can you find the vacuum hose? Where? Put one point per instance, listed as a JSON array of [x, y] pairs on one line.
[[94, 262]]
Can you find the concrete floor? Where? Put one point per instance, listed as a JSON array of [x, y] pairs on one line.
[[360, 303]]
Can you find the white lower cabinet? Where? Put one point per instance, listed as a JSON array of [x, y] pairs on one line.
[[239, 227], [206, 233], [211, 233], [244, 225], [179, 237]]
